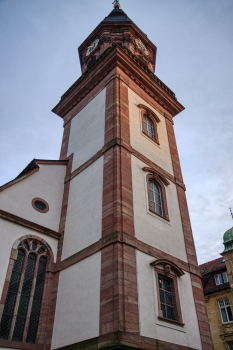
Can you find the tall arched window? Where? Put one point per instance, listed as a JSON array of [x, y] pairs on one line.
[[157, 200], [149, 123], [155, 197], [148, 126], [22, 306]]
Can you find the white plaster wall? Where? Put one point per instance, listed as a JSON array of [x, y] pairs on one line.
[[165, 235], [84, 213], [78, 303], [150, 325], [48, 184], [9, 233], [87, 131], [159, 154]]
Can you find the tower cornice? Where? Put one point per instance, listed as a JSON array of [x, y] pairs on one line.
[[133, 68]]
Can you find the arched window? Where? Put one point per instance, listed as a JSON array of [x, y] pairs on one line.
[[148, 126], [21, 313], [155, 197], [156, 183], [167, 274], [149, 123]]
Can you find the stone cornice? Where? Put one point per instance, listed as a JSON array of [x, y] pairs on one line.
[[28, 224], [117, 57]]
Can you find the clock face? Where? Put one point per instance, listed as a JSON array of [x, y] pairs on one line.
[[92, 47], [141, 46]]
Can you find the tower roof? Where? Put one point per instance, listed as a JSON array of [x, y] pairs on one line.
[[117, 15], [228, 240]]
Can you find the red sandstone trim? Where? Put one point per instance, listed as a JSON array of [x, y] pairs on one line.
[[8, 184], [118, 290], [48, 330], [176, 299], [123, 340], [29, 224], [123, 238], [40, 200], [198, 295]]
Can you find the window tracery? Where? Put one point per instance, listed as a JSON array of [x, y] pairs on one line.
[[21, 313]]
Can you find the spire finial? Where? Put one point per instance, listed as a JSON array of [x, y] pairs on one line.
[[231, 213], [116, 4]]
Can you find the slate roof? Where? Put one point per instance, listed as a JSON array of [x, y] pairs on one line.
[[212, 266], [208, 271]]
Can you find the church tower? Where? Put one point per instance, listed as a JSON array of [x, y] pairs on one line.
[[125, 272]]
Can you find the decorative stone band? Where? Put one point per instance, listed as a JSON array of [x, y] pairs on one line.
[[125, 341], [28, 224]]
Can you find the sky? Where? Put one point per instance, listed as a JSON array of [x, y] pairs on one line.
[[39, 62]]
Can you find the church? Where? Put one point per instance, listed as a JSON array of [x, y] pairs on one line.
[[96, 247]]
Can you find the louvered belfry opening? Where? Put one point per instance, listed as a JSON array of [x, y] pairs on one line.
[[21, 313]]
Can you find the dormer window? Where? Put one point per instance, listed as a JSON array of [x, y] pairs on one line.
[[221, 278]]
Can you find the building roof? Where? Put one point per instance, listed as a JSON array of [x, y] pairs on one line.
[[212, 266], [208, 271]]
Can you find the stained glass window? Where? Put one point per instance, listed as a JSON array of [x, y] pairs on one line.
[[27, 282]]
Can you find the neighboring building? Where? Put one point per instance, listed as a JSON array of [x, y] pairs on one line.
[[100, 242], [217, 279]]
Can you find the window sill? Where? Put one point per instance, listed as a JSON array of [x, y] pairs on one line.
[[161, 216], [151, 139], [178, 323]]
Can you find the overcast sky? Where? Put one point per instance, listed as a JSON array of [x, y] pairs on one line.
[[39, 62]]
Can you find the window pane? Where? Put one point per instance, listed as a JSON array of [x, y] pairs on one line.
[[166, 297], [157, 199], [9, 306], [225, 277], [24, 299], [159, 210], [224, 315], [230, 346], [229, 313], [37, 300], [218, 279]]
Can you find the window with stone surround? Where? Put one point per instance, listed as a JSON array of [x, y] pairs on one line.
[[225, 310], [23, 297], [167, 274], [149, 123], [156, 192]]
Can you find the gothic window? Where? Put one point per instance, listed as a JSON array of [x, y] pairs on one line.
[[21, 313], [225, 310], [149, 123]]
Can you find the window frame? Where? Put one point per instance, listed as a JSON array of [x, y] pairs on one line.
[[154, 119], [169, 270], [157, 180], [225, 307], [221, 274], [47, 290]]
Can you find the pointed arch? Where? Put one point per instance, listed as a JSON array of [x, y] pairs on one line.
[[26, 290]]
